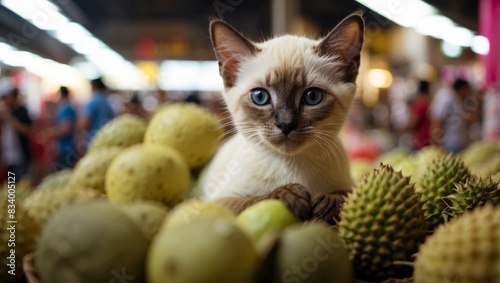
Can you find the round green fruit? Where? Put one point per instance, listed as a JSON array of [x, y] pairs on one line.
[[190, 129], [311, 253], [147, 172], [90, 171], [93, 242], [206, 250], [193, 209], [148, 216], [264, 217], [124, 131]]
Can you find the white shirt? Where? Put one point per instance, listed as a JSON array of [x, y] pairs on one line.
[[11, 147], [448, 108]]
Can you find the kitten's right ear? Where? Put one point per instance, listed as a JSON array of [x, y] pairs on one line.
[[231, 48], [346, 41]]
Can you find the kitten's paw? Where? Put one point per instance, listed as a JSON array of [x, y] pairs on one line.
[[296, 198], [326, 207]]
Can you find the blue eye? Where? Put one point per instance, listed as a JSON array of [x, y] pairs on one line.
[[312, 96], [260, 96]]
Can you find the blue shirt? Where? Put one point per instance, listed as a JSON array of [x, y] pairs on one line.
[[66, 112], [100, 112]]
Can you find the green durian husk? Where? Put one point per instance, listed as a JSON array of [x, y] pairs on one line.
[[382, 223], [473, 193], [437, 183], [465, 250]]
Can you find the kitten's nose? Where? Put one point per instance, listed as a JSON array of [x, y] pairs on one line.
[[286, 127], [286, 120]]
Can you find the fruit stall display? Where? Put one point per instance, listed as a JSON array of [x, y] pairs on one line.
[[128, 212]]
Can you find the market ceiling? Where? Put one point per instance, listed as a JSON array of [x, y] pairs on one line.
[[168, 29]]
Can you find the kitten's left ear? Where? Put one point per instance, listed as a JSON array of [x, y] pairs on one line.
[[231, 48], [346, 41]]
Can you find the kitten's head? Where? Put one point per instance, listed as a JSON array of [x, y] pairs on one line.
[[289, 92]]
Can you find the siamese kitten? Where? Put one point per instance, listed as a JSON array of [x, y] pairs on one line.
[[288, 97]]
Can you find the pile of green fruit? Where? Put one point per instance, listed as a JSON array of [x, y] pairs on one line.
[[122, 215]]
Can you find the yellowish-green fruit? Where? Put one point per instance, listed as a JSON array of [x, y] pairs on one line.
[[206, 250], [311, 253], [193, 209], [42, 204], [93, 242], [480, 152], [264, 217], [399, 159], [439, 182], [190, 129], [90, 171], [382, 222], [147, 172], [56, 179], [392, 156], [17, 238], [465, 250], [474, 192], [122, 132], [359, 167], [148, 216], [407, 167], [489, 168]]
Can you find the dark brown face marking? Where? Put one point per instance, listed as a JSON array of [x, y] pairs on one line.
[[286, 83], [287, 115]]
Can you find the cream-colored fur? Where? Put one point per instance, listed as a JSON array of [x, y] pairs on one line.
[[247, 164], [244, 169]]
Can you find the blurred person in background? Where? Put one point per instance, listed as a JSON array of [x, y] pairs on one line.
[[97, 111], [134, 106], [449, 127], [63, 132], [194, 97], [16, 131], [419, 122], [162, 96]]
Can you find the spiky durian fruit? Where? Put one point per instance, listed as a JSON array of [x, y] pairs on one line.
[[423, 158], [439, 182], [465, 250], [382, 222], [475, 192]]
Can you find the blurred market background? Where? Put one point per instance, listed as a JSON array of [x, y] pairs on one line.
[[153, 52]]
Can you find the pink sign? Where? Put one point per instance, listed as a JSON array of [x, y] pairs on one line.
[[489, 26]]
